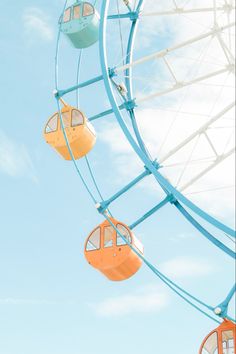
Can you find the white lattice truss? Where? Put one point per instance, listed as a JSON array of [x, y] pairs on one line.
[[215, 32]]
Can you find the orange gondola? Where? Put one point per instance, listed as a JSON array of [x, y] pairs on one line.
[[220, 341], [80, 133], [106, 251]]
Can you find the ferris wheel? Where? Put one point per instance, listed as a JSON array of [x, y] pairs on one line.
[[169, 84]]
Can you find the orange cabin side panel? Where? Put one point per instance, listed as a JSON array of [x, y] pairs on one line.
[[124, 270], [81, 141], [116, 264]]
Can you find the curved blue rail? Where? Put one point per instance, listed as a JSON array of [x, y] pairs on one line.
[[151, 167]]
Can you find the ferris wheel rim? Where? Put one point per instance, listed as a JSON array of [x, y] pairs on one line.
[[149, 167], [147, 162]]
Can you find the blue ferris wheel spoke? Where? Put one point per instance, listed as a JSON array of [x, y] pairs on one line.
[[102, 114], [132, 15], [151, 212], [106, 203], [61, 93], [126, 105]]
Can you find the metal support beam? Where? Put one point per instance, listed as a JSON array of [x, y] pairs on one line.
[[107, 202], [128, 105], [132, 15], [179, 10], [197, 132], [151, 211], [100, 115], [166, 51], [180, 85], [61, 93], [218, 160]]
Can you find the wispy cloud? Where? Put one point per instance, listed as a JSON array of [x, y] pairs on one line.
[[37, 24], [182, 237], [113, 137], [151, 299], [184, 267], [20, 301], [14, 301], [15, 159]]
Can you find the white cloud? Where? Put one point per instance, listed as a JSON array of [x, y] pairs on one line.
[[37, 24], [15, 301], [149, 300], [183, 237], [15, 159], [184, 267], [25, 301], [113, 137]]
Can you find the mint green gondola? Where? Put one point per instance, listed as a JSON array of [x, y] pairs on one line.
[[80, 24]]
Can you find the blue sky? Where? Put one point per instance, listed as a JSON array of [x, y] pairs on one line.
[[51, 301]]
